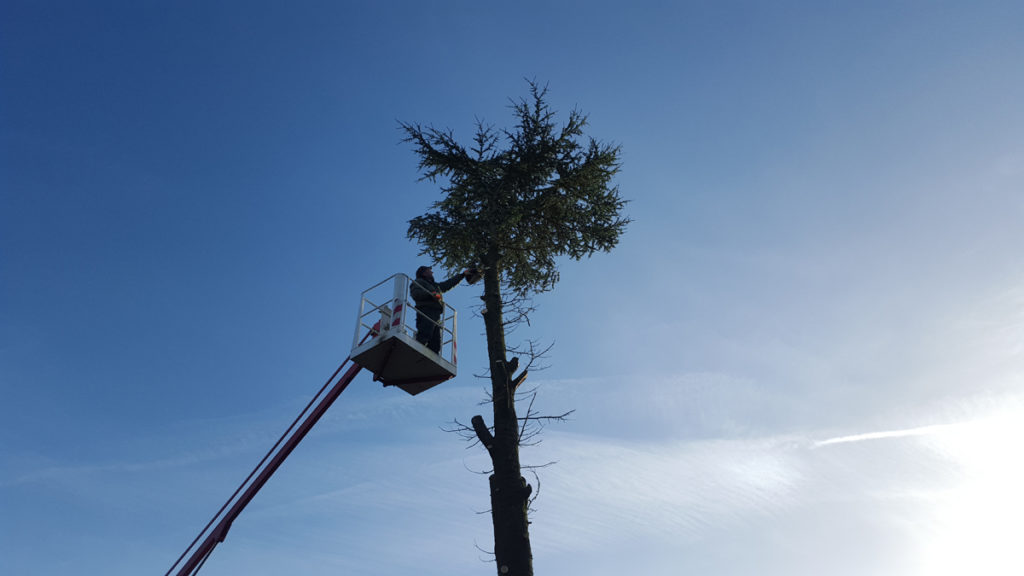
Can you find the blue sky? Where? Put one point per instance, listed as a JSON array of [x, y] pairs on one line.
[[805, 356]]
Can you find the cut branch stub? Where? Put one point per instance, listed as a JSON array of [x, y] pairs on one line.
[[482, 432], [519, 380]]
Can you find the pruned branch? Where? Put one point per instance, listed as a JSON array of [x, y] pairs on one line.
[[483, 433]]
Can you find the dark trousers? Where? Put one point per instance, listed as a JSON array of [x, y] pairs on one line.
[[428, 332]]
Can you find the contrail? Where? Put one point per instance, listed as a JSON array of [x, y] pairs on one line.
[[920, 431]]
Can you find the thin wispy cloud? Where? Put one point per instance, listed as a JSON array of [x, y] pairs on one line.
[[601, 490], [804, 358], [884, 434]]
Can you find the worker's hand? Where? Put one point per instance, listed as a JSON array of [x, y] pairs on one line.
[[436, 295]]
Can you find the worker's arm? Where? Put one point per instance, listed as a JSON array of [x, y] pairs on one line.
[[451, 282]]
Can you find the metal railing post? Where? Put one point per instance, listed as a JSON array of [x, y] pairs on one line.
[[398, 301], [359, 320]]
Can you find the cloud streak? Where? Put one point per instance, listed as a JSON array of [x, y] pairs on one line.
[[885, 434]]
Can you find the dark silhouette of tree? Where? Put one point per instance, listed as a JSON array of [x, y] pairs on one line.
[[513, 203]]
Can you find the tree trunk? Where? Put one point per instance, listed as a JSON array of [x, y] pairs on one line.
[[509, 490]]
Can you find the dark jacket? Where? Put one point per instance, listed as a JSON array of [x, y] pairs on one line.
[[427, 294]]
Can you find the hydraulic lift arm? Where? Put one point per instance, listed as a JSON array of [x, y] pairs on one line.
[[220, 531]]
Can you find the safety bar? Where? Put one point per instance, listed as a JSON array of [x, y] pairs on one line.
[[386, 309]]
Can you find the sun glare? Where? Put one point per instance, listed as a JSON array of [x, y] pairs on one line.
[[976, 527]]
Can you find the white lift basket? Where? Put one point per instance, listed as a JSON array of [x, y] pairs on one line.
[[385, 340]]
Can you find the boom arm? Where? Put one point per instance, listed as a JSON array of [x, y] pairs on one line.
[[219, 532]]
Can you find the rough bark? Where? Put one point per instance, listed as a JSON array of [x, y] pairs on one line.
[[509, 490]]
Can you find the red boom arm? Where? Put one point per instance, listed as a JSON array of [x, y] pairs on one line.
[[221, 530]]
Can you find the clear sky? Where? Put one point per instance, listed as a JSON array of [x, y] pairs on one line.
[[804, 358]]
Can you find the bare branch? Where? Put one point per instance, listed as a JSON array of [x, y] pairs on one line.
[[479, 472], [536, 493], [530, 351], [561, 417], [488, 552], [539, 466], [465, 432]]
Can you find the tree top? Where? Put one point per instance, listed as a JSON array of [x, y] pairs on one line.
[[519, 199]]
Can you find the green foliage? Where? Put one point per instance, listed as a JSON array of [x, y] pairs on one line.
[[519, 199]]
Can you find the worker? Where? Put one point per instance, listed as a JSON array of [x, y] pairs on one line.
[[427, 294]]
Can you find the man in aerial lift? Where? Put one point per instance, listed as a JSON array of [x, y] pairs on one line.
[[427, 294]]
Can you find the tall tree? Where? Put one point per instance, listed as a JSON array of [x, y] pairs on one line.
[[513, 203]]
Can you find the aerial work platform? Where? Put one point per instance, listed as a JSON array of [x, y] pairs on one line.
[[385, 339], [385, 344]]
